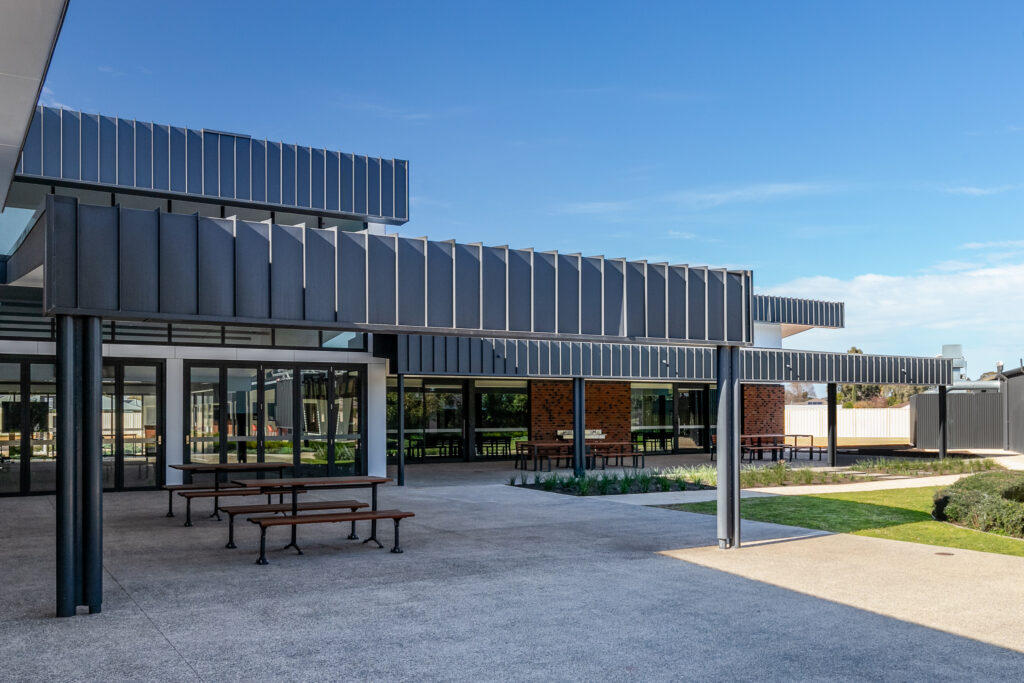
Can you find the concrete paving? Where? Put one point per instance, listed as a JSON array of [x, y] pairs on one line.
[[964, 592], [496, 583]]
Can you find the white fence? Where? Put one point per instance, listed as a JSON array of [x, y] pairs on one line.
[[891, 424]]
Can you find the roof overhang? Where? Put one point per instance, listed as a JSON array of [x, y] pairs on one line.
[[28, 35], [497, 357], [156, 265]]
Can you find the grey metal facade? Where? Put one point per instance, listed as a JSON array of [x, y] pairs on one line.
[[1015, 410], [495, 357], [470, 356], [92, 150], [127, 263], [789, 311], [782, 365], [973, 420]]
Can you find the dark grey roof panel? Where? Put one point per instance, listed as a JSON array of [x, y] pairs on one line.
[[65, 146], [365, 282], [490, 357], [783, 365], [507, 358], [789, 311]]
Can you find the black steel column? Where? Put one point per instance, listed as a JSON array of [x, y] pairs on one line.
[[728, 446], [833, 437], [943, 427], [92, 464], [737, 427], [579, 427], [401, 429], [68, 568]]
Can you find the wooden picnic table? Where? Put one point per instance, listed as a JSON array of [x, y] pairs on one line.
[[777, 443], [297, 484], [218, 467], [560, 446]]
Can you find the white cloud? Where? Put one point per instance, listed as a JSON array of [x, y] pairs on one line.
[[591, 208], [973, 191], [706, 198], [999, 244], [917, 314], [48, 99], [681, 235]]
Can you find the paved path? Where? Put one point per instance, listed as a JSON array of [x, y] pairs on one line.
[[496, 583], [972, 594], [674, 497]]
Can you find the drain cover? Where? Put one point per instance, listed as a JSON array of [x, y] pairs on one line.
[[943, 553]]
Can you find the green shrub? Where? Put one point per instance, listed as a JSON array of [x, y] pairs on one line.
[[604, 484], [585, 484], [991, 501], [664, 483], [644, 481]]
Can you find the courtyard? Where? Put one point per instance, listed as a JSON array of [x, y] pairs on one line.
[[495, 582]]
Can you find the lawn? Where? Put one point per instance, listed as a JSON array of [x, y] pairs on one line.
[[896, 514]]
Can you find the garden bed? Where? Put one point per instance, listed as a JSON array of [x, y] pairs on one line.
[[695, 478], [991, 501]]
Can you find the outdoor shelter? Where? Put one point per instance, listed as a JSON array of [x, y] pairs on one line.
[[186, 295]]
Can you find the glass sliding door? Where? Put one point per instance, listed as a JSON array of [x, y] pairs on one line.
[[306, 416], [204, 411], [242, 414], [141, 433], [501, 418], [651, 416], [131, 424], [689, 407], [347, 433], [109, 426], [42, 403], [315, 422], [278, 416], [11, 466]]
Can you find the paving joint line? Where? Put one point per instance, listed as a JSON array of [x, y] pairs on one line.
[[153, 623]]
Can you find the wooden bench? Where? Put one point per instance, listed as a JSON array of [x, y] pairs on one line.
[[233, 510], [605, 456], [331, 518], [216, 495], [761, 450], [172, 488]]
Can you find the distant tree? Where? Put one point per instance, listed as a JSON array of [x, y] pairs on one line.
[[860, 395], [799, 392]]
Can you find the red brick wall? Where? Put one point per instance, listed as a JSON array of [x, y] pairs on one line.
[[764, 409], [608, 408]]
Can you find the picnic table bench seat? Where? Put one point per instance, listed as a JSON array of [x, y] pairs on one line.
[[272, 508], [173, 488], [216, 494], [329, 518]]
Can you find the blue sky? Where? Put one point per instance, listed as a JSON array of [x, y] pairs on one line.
[[868, 152]]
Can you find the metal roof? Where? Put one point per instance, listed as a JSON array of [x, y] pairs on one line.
[[28, 35], [802, 312], [496, 357], [166, 266], [105, 152]]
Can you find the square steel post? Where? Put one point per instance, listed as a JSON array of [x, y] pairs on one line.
[[943, 427], [91, 413], [729, 398], [832, 429], [737, 430], [401, 429], [579, 427], [67, 440]]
